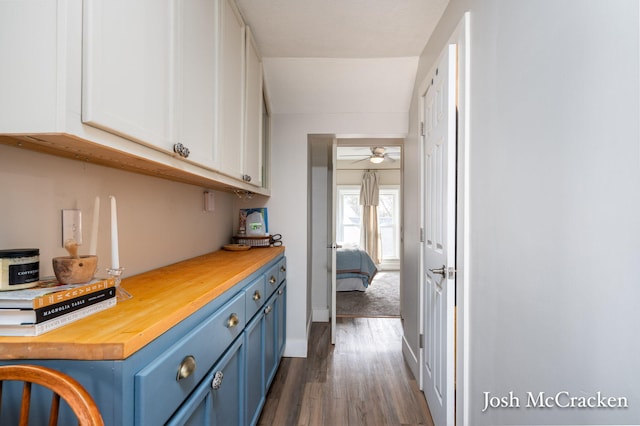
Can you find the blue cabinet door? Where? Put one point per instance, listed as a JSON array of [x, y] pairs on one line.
[[270, 342], [281, 312], [254, 346], [218, 400], [274, 334]]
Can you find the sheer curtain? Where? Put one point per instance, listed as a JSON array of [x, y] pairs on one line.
[[370, 237]]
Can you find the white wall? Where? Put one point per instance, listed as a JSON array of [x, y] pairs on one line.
[[288, 202], [319, 217], [554, 204], [159, 221]]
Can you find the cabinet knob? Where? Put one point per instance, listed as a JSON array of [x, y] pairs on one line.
[[186, 368], [233, 320], [268, 309], [217, 380], [272, 280], [256, 295], [283, 268], [280, 292], [181, 150], [246, 178]]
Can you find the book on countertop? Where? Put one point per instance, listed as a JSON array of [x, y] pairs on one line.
[[49, 291], [52, 324], [35, 316]]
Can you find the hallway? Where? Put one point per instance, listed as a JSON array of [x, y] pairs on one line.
[[363, 380]]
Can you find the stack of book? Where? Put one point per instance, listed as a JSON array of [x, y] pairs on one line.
[[33, 311]]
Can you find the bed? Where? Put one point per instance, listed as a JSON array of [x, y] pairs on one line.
[[354, 269]]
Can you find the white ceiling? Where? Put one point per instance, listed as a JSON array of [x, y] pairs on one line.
[[340, 56], [339, 85]]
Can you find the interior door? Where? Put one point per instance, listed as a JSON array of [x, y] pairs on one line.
[[439, 135], [333, 202]]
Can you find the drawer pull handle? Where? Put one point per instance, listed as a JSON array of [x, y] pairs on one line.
[[272, 280], [256, 295], [217, 380], [283, 268], [268, 309], [186, 368], [233, 320]]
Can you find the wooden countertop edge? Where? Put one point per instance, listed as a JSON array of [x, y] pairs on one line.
[[50, 346]]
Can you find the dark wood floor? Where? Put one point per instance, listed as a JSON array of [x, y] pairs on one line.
[[362, 380]]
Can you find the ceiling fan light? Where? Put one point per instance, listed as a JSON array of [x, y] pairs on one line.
[[376, 160]]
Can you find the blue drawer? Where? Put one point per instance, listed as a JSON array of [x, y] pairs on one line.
[[255, 296], [159, 389], [282, 270], [272, 276]]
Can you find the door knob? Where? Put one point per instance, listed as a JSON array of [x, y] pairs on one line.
[[442, 271]]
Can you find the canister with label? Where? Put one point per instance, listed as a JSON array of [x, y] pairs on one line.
[[19, 268]]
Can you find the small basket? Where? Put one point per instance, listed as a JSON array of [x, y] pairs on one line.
[[253, 241]]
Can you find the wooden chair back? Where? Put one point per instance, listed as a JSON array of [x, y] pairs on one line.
[[62, 386]]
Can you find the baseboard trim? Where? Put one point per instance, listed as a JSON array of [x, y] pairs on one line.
[[412, 361], [297, 348]]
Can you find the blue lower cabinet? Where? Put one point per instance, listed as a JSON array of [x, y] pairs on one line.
[[179, 369], [263, 352], [212, 368], [218, 399]]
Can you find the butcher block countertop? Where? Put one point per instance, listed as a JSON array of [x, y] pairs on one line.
[[161, 298]]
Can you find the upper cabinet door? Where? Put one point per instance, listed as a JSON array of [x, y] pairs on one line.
[[253, 146], [196, 79], [231, 78], [127, 69]]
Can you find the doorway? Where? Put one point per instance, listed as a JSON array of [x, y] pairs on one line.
[[378, 160], [322, 167]]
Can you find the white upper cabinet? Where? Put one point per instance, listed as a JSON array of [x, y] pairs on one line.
[[253, 140], [150, 73], [32, 83], [195, 70], [127, 69], [231, 75], [122, 82]]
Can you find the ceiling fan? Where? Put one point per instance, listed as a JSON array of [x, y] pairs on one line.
[[378, 155]]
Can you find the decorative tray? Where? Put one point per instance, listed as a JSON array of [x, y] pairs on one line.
[[236, 247], [253, 241]]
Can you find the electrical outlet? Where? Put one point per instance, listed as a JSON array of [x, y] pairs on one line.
[[72, 226], [209, 201]]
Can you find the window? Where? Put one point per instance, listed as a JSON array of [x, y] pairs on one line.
[[349, 215], [350, 218]]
